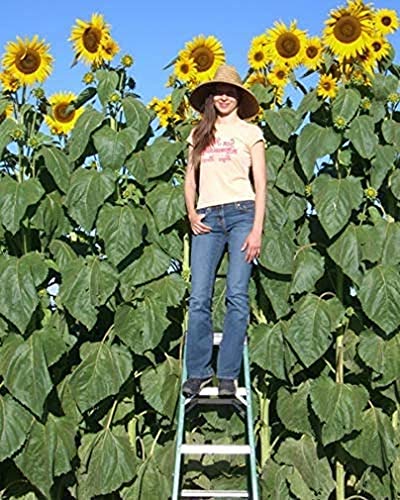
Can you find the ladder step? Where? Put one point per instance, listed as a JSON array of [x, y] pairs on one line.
[[213, 391], [215, 449], [214, 494]]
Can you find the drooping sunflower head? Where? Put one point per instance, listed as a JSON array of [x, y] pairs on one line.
[[327, 86], [258, 56], [386, 21], [92, 41], [63, 116], [279, 75], [9, 82], [313, 53], [286, 44], [28, 60], [6, 110], [207, 54], [349, 29], [185, 68]]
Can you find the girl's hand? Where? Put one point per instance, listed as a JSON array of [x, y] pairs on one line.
[[197, 226], [252, 245]]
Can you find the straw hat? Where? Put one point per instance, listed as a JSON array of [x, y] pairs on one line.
[[248, 105]]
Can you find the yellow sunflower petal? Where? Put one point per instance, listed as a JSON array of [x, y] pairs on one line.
[[185, 68], [349, 29], [386, 21], [207, 53], [258, 56], [62, 119], [286, 44], [256, 77], [279, 75], [9, 82], [28, 60], [313, 53], [327, 86]]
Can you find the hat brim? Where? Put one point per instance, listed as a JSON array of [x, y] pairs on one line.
[[248, 104]]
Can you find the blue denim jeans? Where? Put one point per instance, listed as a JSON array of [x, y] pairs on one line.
[[230, 224]]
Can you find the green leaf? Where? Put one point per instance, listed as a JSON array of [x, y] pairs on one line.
[[57, 163], [24, 369], [55, 338], [274, 158], [142, 328], [161, 155], [7, 127], [288, 180], [273, 481], [86, 285], [50, 217], [380, 296], [108, 81], [62, 252], [302, 455], [335, 199], [383, 86], [15, 422], [346, 252], [108, 461], [283, 122], [375, 443], [345, 104], [277, 292], [166, 377], [310, 103], [308, 269], [170, 289], [391, 132], [48, 452], [152, 264], [15, 198], [363, 137], [89, 121], [338, 406], [100, 374], [315, 142], [278, 250], [177, 97], [121, 229], [167, 204], [113, 147], [20, 277], [309, 329], [292, 408], [382, 163], [381, 355], [150, 482], [136, 114], [390, 237], [87, 192], [394, 183]]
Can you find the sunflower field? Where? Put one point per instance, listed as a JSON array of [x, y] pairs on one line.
[[94, 269]]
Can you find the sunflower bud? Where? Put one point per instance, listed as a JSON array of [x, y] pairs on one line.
[[362, 217], [17, 134], [127, 60], [339, 123], [114, 97], [88, 78], [38, 93], [371, 193], [365, 103], [308, 190], [33, 142], [394, 97]]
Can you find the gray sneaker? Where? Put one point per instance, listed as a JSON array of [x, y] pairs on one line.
[[193, 386], [227, 387]]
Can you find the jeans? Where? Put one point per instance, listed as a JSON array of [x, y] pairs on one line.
[[230, 224]]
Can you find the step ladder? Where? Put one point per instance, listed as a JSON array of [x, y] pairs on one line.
[[242, 403]]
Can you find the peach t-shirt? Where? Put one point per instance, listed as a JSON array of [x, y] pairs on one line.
[[225, 165]]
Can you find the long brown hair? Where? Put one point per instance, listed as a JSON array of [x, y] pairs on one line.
[[204, 133]]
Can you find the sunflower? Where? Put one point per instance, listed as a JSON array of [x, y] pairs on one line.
[[327, 86], [258, 56], [286, 44], [256, 77], [279, 93], [28, 60], [386, 21], [367, 61], [349, 29], [279, 75], [380, 47], [7, 112], [9, 82], [185, 68], [207, 54], [313, 53], [62, 119], [92, 41]]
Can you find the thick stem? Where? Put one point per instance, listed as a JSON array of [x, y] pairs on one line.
[[265, 434], [340, 472]]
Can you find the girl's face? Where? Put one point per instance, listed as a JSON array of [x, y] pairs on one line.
[[226, 99]]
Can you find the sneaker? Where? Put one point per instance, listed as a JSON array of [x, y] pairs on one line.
[[193, 386], [227, 387]]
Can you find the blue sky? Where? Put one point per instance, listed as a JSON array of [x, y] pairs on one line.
[[154, 31]]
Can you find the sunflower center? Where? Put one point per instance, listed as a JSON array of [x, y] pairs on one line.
[[204, 58], [386, 20], [185, 68], [312, 52], [280, 74], [62, 113], [288, 45], [347, 29], [91, 39], [259, 56], [28, 61], [377, 46], [327, 86]]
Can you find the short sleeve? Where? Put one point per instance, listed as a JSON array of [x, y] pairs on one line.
[[255, 135]]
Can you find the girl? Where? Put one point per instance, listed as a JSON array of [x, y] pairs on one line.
[[223, 150]]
